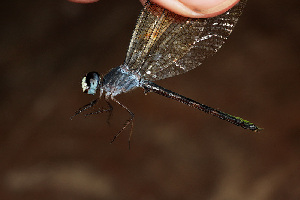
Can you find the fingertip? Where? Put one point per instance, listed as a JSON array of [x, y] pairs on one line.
[[216, 7], [196, 8]]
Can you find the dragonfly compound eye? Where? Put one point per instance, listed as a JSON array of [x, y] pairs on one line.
[[90, 83]]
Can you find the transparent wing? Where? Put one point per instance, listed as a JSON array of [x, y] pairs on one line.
[[165, 44]]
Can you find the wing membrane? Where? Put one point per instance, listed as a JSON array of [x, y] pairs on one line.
[[165, 44]]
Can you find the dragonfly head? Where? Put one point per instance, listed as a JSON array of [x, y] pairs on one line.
[[90, 83]]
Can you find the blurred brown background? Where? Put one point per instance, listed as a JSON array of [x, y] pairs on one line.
[[177, 152]]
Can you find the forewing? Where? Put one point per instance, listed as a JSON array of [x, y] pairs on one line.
[[165, 44]]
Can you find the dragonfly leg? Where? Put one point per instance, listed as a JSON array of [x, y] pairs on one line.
[[90, 105], [100, 110], [110, 109], [84, 108], [129, 121]]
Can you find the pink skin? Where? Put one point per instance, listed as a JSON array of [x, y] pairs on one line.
[[189, 8]]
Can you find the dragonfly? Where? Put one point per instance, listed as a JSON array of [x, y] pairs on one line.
[[164, 45]]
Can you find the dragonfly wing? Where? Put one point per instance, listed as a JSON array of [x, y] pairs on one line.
[[165, 44]]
